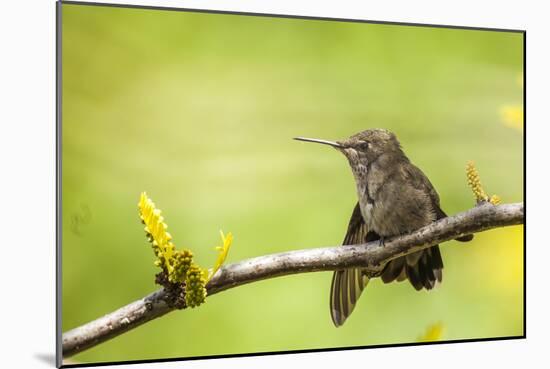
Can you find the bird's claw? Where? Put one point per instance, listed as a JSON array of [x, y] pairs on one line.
[[382, 241]]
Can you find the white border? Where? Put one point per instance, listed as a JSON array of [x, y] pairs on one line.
[[28, 177]]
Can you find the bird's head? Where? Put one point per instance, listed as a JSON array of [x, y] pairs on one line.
[[363, 147]]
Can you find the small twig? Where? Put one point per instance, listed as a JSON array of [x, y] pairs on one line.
[[371, 256]]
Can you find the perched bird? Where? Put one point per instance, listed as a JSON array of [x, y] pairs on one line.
[[395, 197]]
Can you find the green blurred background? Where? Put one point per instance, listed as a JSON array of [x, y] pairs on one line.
[[199, 111]]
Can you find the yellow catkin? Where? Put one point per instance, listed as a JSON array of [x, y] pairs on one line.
[[495, 200], [475, 183], [177, 264], [183, 260], [195, 291]]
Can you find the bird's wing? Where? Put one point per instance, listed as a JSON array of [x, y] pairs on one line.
[[418, 180], [421, 182], [348, 284], [422, 268]]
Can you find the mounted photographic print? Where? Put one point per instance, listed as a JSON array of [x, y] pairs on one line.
[[239, 184]]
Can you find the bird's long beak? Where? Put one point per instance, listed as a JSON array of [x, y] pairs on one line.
[[316, 140]]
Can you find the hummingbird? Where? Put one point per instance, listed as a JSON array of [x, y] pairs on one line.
[[394, 197]]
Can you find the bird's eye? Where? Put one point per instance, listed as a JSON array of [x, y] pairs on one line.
[[364, 145]]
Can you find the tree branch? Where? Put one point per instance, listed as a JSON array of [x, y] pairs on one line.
[[371, 256]]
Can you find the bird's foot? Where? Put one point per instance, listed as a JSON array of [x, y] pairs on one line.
[[382, 241]]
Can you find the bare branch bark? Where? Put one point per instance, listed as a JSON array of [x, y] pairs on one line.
[[370, 255]]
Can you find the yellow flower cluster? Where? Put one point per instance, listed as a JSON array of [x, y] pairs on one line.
[[155, 229], [177, 265], [475, 184], [182, 261], [195, 292]]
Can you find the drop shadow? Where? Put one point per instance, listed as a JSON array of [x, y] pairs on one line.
[[46, 358]]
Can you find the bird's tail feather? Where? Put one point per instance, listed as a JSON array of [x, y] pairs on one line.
[[423, 268], [345, 290]]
